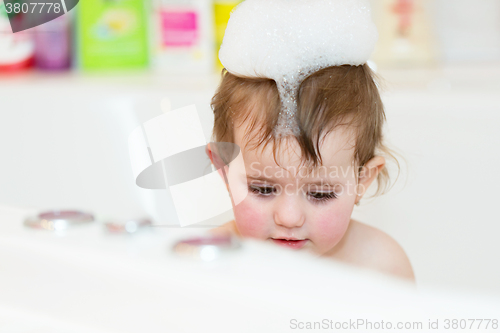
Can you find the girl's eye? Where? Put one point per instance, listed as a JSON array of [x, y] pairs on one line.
[[322, 196], [262, 190]]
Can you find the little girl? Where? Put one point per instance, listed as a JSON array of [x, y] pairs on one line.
[[309, 128]]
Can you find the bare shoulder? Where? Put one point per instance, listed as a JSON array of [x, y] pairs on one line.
[[369, 247]]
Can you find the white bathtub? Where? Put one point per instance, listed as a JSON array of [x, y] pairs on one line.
[[85, 280], [65, 139], [63, 144]]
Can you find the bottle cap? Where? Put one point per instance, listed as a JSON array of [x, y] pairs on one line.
[[207, 248], [57, 220]]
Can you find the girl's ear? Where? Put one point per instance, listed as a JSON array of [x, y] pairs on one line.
[[211, 150], [368, 174]]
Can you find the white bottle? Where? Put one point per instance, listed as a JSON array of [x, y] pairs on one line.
[[182, 37], [405, 33], [16, 49]]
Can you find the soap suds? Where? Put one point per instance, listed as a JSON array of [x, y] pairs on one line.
[[287, 40]]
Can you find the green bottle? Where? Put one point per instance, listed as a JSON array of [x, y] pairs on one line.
[[112, 34]]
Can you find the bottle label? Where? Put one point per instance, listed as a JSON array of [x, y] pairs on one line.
[[179, 28]]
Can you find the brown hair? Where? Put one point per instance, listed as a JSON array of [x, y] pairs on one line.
[[326, 99]]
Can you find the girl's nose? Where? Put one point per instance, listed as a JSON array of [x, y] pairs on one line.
[[288, 211]]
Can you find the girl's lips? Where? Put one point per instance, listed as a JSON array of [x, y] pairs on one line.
[[294, 244]]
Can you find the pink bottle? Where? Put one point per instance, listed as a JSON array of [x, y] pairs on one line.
[[53, 44]]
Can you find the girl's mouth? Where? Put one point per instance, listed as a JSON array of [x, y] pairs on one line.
[[290, 243]]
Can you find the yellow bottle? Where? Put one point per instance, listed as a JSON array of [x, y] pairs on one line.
[[222, 11]]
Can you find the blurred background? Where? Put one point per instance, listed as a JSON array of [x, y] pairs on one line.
[[73, 89]]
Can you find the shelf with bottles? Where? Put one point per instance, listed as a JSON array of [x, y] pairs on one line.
[[174, 37]]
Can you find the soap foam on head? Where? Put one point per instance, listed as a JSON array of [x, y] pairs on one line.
[[287, 40]]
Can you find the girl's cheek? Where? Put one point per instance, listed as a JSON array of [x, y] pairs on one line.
[[250, 219], [332, 224]]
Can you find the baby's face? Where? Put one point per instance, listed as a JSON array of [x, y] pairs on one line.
[[291, 207]]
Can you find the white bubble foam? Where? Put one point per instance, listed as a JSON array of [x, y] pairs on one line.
[[287, 40]]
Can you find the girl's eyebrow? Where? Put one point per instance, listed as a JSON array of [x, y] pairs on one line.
[[320, 182]]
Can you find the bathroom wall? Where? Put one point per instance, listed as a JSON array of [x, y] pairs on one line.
[[468, 30], [443, 124]]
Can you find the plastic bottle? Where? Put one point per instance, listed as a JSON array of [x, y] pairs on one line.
[[112, 34], [406, 35], [53, 44], [16, 49], [182, 39], [222, 12]]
